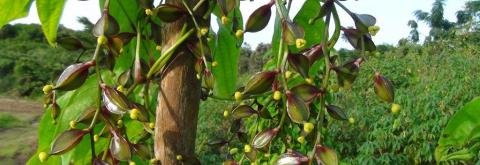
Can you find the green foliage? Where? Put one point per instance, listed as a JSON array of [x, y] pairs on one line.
[[9, 121], [12, 10], [27, 63], [462, 132], [49, 12], [431, 84], [226, 53]]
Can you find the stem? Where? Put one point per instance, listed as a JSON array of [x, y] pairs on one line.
[[99, 95], [336, 33], [145, 96], [166, 56], [321, 113], [198, 30], [92, 144], [106, 151], [131, 88], [195, 8]]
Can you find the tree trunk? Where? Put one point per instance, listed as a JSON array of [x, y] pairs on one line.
[[178, 101]]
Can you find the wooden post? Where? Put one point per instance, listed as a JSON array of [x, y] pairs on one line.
[[178, 101]]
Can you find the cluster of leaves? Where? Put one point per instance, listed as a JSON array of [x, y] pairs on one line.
[[119, 122], [274, 117], [25, 59], [432, 82]]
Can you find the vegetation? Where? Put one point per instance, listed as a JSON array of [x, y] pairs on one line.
[[425, 124]]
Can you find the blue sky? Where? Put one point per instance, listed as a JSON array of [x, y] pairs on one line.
[[392, 16]]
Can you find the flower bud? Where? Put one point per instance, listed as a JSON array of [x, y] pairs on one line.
[[47, 89], [214, 63], [226, 113], [132, 163], [351, 120], [158, 48], [151, 125], [277, 95], [96, 137], [308, 127], [225, 20], [148, 12], [179, 157], [119, 122], [309, 80], [134, 114], [288, 74], [239, 33], [300, 43], [42, 156], [247, 148], [102, 40], [203, 31], [233, 151], [238, 96], [73, 124], [120, 89], [301, 139], [395, 108], [373, 30]]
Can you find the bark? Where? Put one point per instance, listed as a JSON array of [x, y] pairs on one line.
[[178, 102]]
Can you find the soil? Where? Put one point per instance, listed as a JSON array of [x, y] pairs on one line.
[[19, 141]]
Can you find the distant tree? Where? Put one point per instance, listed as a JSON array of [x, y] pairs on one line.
[[470, 16], [8, 31], [88, 26], [414, 35], [435, 19]]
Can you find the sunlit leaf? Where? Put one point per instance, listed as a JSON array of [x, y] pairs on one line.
[[460, 130], [16, 9], [49, 12]]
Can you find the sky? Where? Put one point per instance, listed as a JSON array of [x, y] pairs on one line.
[[392, 16]]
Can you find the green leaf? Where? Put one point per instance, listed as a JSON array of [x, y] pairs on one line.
[[13, 9], [72, 105], [313, 32], [49, 12], [125, 11], [226, 53], [459, 130]]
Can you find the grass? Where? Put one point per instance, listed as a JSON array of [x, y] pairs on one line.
[[9, 121]]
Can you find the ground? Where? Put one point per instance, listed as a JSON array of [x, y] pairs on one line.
[[18, 129]]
